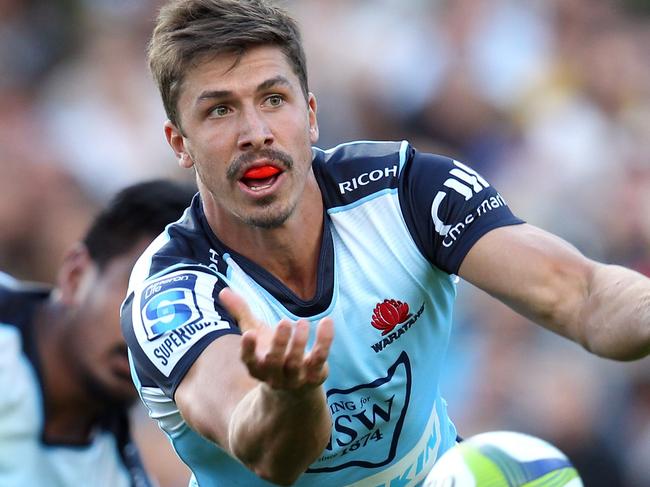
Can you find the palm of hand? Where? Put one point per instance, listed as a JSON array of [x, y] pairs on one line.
[[277, 356]]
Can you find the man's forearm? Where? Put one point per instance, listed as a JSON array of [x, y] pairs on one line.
[[616, 317], [279, 433]]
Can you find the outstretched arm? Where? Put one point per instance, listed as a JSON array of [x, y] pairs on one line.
[[260, 396], [605, 308]]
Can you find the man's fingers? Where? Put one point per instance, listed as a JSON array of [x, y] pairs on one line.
[[237, 307], [324, 336], [248, 355], [274, 357], [277, 356], [266, 363], [295, 351], [316, 366]]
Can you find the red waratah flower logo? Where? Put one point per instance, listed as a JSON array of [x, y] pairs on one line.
[[389, 314]]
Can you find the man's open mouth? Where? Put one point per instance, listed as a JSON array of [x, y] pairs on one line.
[[260, 177]]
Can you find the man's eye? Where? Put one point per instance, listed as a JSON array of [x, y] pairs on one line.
[[274, 100], [220, 111]]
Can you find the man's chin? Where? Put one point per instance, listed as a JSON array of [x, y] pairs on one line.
[[266, 223], [119, 395], [125, 399], [269, 218]]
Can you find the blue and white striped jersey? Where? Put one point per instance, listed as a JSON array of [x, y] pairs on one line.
[[398, 224]]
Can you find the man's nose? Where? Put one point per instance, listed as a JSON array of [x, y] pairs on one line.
[[254, 132]]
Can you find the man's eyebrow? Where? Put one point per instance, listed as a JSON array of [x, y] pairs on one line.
[[275, 81], [211, 94], [264, 85]]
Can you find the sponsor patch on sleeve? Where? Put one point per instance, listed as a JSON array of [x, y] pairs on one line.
[[172, 313]]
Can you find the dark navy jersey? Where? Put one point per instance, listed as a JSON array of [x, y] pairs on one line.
[[398, 224], [26, 458]]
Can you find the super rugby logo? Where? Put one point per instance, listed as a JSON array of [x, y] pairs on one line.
[[169, 304], [387, 315], [175, 312]]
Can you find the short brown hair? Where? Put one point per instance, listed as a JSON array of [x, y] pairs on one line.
[[188, 29]]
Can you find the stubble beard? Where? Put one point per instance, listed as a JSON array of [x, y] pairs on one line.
[[266, 215], [104, 395], [270, 219], [101, 394]]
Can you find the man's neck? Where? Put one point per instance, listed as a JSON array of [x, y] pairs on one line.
[[290, 252]]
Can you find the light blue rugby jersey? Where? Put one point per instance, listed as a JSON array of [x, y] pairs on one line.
[[397, 228], [26, 458]]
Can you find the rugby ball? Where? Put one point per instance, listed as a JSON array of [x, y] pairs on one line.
[[503, 459]]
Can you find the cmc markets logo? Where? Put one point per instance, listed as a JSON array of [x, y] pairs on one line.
[[463, 181], [387, 315]]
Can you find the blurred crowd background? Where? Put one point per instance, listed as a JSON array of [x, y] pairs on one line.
[[548, 99]]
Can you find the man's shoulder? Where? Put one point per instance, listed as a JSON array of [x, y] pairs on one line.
[[355, 170], [183, 243], [18, 299], [359, 150]]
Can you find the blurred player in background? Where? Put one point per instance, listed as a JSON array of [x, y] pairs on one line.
[[230, 318], [64, 372]]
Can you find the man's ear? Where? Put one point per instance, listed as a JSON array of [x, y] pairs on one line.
[[177, 142], [312, 106], [76, 263]]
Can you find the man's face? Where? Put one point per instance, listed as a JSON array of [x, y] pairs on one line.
[[96, 346], [247, 130]]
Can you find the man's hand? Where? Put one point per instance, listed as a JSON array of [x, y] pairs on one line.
[[260, 396], [277, 356]]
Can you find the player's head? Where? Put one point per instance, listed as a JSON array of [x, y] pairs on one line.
[[233, 80], [93, 280], [138, 212], [188, 31]]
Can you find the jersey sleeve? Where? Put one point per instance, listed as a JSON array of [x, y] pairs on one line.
[[448, 207], [168, 320]]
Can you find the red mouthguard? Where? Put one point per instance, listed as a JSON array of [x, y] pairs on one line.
[[261, 172]]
